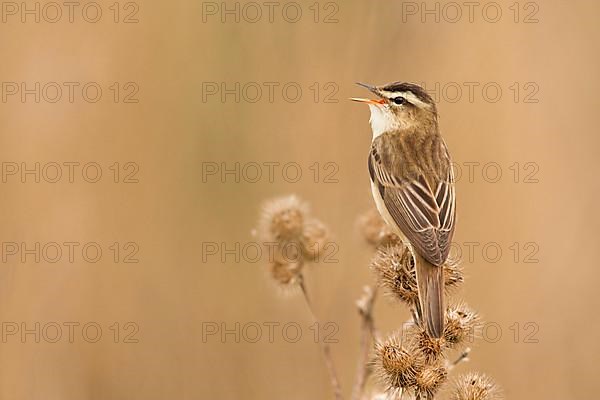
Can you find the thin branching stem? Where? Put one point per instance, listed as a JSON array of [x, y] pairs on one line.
[[365, 308], [462, 357], [326, 350]]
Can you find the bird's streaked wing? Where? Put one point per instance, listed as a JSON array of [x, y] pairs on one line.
[[425, 215]]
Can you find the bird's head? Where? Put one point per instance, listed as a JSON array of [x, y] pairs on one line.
[[399, 106]]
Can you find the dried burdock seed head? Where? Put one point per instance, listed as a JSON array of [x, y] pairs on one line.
[[461, 323], [453, 275], [395, 271], [429, 379], [285, 275], [431, 348], [376, 232], [288, 252], [475, 386], [314, 240], [283, 219], [395, 366]]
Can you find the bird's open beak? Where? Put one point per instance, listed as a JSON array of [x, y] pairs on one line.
[[369, 101]]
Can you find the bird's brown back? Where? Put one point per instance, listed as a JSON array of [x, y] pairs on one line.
[[411, 153]]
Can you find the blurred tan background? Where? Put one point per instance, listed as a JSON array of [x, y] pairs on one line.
[[170, 134]]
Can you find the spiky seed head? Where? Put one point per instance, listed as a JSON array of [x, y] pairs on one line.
[[395, 270], [430, 347], [375, 231], [314, 240], [453, 275], [289, 251], [475, 386], [285, 274], [395, 365], [283, 219], [394, 267], [429, 379], [461, 324]]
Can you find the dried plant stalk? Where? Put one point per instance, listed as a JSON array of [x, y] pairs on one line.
[[367, 336], [410, 365], [335, 383]]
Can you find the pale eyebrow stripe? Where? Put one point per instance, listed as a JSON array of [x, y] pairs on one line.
[[408, 96]]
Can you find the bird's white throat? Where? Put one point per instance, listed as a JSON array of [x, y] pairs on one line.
[[381, 120]]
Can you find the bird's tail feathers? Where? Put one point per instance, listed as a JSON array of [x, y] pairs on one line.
[[430, 282]]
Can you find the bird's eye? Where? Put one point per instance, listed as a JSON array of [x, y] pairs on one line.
[[399, 100]]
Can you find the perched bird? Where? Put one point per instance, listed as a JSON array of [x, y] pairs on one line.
[[413, 186]]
